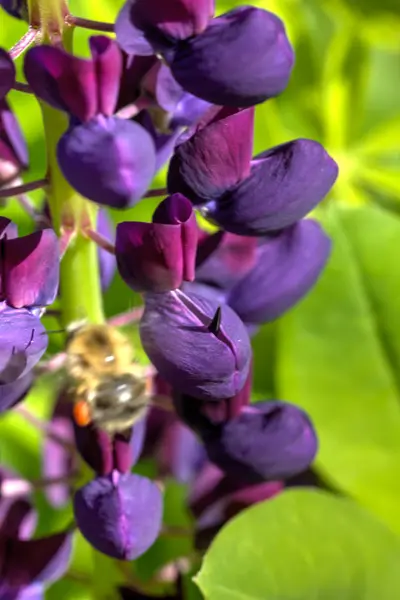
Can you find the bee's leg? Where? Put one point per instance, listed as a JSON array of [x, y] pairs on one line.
[[163, 402]]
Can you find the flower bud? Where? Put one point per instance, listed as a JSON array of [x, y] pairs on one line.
[[120, 515], [198, 347], [7, 73], [158, 256]]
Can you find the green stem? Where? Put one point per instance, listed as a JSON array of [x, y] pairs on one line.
[[80, 286]]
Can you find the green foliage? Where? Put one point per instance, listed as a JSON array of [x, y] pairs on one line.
[[337, 354], [302, 545]]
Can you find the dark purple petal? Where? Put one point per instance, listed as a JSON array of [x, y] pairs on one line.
[[13, 150], [188, 111], [14, 392], [288, 266], [134, 70], [17, 9], [209, 292], [145, 26], [216, 158], [267, 441], [198, 358], [23, 341], [7, 73], [158, 256], [164, 142], [102, 451], [234, 257], [35, 561], [31, 269], [120, 515], [64, 81], [241, 59], [107, 61], [285, 184], [107, 261], [108, 160]]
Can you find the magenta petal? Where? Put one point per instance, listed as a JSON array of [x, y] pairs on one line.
[[120, 515], [31, 269], [108, 160], [7, 73], [158, 256], [216, 158], [64, 81], [147, 26], [107, 59]]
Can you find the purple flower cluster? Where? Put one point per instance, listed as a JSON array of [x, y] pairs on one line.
[[177, 86]]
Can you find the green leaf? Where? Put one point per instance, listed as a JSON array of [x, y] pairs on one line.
[[303, 545], [333, 360]]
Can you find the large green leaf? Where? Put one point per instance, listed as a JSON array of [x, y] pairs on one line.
[[339, 358], [302, 545]]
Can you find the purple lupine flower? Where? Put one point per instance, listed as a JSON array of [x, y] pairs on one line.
[[7, 73], [158, 256], [106, 159], [14, 392], [120, 515], [240, 58], [27, 565], [287, 267], [213, 168], [13, 150], [266, 441], [198, 347]]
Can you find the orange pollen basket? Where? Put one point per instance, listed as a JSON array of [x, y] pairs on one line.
[[81, 413]]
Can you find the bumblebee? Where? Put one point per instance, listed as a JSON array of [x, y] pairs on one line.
[[107, 388]]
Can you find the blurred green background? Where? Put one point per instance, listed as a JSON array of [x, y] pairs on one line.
[[337, 354]]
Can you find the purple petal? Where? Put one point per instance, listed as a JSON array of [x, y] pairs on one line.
[[144, 26], [181, 453], [234, 257], [64, 81], [196, 358], [14, 392], [241, 59], [13, 150], [108, 160], [7, 73], [288, 266], [158, 256], [285, 184], [107, 261], [120, 515], [133, 73], [216, 158], [267, 441], [188, 111], [31, 265], [23, 342], [107, 62], [138, 438], [164, 142], [37, 561]]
